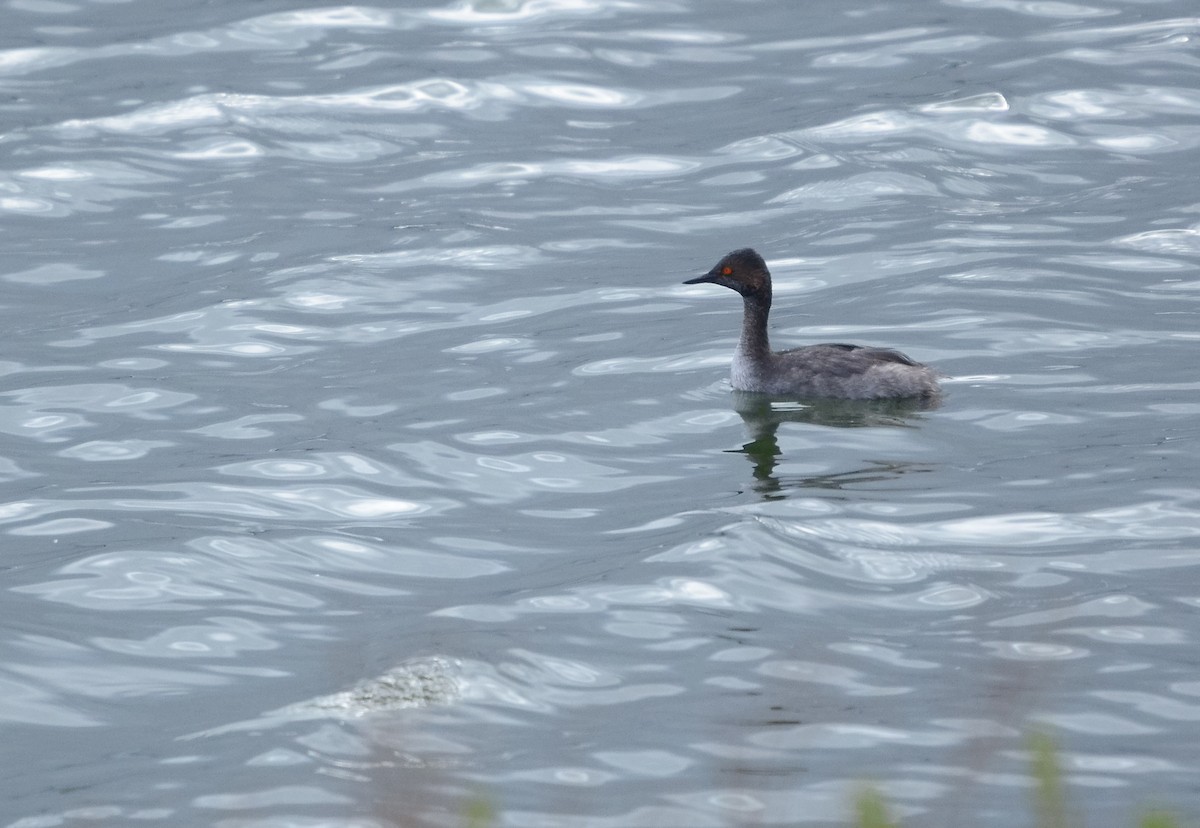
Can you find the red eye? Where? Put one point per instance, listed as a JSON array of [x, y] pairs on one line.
[[727, 271]]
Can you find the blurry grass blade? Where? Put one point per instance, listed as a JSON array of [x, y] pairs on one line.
[[871, 810], [1051, 799], [480, 813], [1158, 819]]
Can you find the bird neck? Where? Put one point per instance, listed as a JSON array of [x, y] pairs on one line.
[[754, 343]]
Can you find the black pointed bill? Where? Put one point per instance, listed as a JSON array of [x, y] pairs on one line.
[[711, 276]]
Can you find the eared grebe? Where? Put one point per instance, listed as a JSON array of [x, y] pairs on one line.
[[850, 372]]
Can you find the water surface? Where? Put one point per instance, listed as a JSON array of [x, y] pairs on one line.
[[365, 457]]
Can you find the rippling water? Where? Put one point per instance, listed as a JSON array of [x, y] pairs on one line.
[[365, 458]]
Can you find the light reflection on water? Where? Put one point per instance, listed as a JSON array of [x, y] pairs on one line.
[[364, 453]]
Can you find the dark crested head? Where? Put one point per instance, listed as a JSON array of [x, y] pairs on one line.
[[742, 270]]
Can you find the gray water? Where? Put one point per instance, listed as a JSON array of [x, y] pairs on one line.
[[366, 463]]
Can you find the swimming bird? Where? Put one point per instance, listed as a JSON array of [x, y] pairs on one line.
[[853, 372]]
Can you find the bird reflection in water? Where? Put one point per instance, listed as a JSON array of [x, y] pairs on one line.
[[763, 414]]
